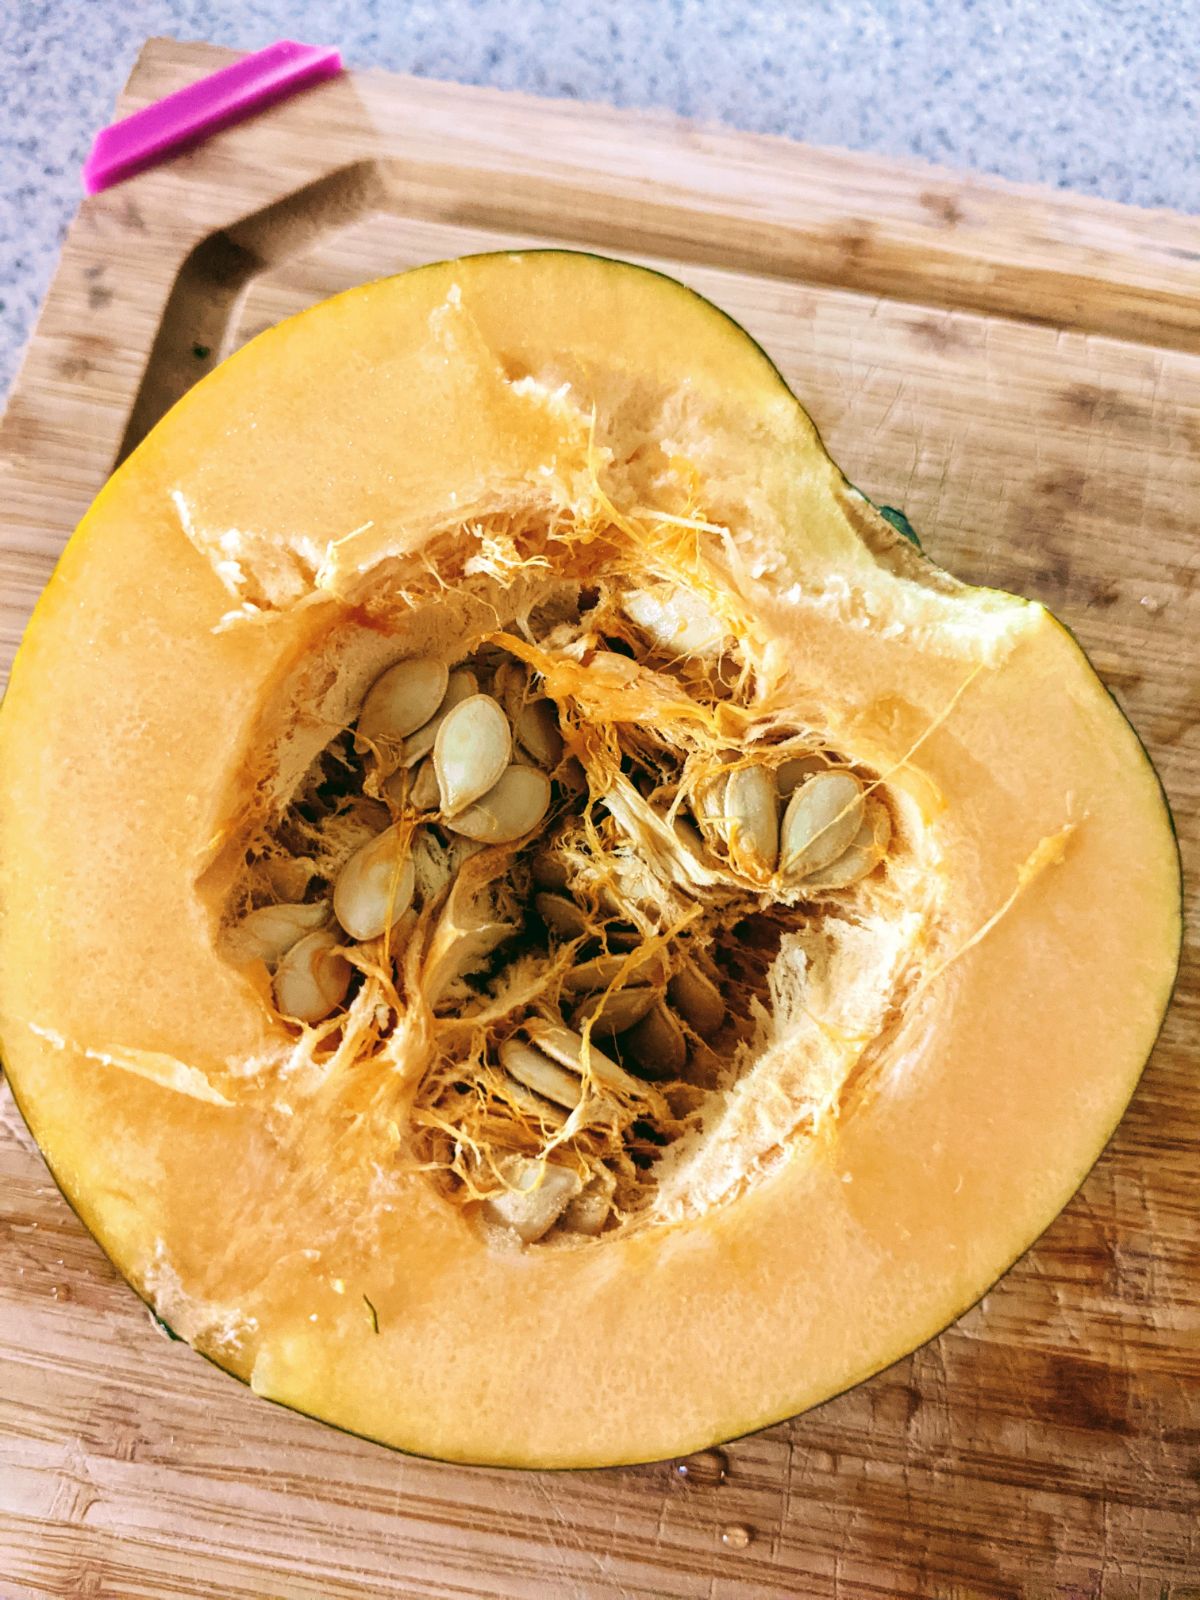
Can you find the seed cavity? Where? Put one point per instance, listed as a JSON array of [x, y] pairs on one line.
[[434, 865], [589, 935]]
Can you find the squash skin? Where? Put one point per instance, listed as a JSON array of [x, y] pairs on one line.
[[130, 1243]]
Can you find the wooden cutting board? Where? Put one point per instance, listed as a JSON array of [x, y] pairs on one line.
[[1021, 372]]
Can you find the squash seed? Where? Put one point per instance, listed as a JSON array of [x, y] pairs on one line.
[[795, 769], [271, 931], [691, 843], [751, 810], [375, 887], [550, 870], [590, 1209], [424, 793], [531, 1104], [461, 686], [539, 1195], [534, 717], [400, 701], [469, 954], [398, 935], [561, 916], [510, 685], [657, 1043], [570, 775], [616, 1011], [677, 619], [462, 849], [535, 1071], [564, 1045], [512, 807], [290, 876], [589, 977], [708, 808], [821, 820], [864, 854], [537, 732], [697, 999], [312, 978], [471, 751]]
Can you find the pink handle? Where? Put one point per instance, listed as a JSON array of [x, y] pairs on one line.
[[191, 114]]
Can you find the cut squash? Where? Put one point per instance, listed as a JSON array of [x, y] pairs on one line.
[[537, 926]]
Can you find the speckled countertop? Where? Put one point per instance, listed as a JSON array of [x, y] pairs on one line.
[[1101, 96]]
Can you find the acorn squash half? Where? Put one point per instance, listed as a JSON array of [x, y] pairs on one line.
[[589, 1115]]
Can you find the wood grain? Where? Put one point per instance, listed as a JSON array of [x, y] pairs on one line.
[[1019, 371]]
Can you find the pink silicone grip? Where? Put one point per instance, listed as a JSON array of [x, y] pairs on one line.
[[191, 114]]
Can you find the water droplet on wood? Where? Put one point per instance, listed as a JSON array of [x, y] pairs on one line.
[[706, 1469]]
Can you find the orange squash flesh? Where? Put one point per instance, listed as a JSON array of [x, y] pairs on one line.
[[238, 554]]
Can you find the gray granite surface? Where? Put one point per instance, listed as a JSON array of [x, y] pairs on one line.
[[1101, 96]]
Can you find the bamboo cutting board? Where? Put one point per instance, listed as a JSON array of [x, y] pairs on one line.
[[1020, 372]]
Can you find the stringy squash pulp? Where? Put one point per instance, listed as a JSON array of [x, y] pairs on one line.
[[537, 927]]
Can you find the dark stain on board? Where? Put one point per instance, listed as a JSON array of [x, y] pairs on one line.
[[1174, 730], [853, 241], [944, 207], [132, 217], [1063, 487], [938, 333], [1090, 405], [1084, 1394]]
